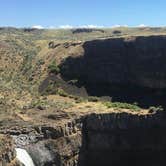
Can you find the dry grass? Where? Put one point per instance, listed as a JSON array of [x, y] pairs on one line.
[[24, 61]]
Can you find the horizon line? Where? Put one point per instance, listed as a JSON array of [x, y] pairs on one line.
[[83, 26]]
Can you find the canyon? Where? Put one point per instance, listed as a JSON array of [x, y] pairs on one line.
[[112, 138], [57, 96]]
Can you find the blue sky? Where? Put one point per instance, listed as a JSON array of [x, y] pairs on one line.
[[56, 13]]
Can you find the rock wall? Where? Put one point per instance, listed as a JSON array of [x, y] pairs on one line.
[[124, 139], [97, 140], [7, 152], [129, 69], [134, 60], [49, 145]]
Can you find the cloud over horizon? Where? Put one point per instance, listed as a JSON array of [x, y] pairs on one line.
[[92, 26], [80, 26], [142, 25], [67, 26], [37, 27]]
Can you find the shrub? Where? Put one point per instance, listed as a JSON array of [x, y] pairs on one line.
[[122, 105], [153, 109], [93, 99], [40, 62], [72, 97], [50, 89], [39, 104], [53, 68], [61, 92], [61, 105], [80, 100]]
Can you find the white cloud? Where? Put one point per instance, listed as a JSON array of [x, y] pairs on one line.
[[38, 27], [66, 26], [80, 26], [91, 26], [118, 26], [142, 25]]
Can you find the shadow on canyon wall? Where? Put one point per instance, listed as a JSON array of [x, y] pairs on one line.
[[128, 70], [112, 139]]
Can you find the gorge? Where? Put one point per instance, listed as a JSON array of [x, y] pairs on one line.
[[97, 102], [103, 139]]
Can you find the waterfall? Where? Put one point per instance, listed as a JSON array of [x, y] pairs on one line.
[[24, 157]]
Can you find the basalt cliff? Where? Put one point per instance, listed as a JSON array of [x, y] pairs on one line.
[[113, 138], [127, 69]]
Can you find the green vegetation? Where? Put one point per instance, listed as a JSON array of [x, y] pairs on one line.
[[51, 88], [53, 68], [62, 105], [93, 99], [40, 62], [39, 104], [80, 99], [61, 92], [119, 105], [55, 89], [153, 109]]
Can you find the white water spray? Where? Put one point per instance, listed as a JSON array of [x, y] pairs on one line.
[[24, 157]]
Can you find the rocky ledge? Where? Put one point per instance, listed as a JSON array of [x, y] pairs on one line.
[[48, 144], [113, 137]]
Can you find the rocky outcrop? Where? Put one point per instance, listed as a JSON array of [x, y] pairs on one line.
[[53, 45], [113, 138], [49, 144]]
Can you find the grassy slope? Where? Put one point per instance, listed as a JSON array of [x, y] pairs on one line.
[[25, 57]]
